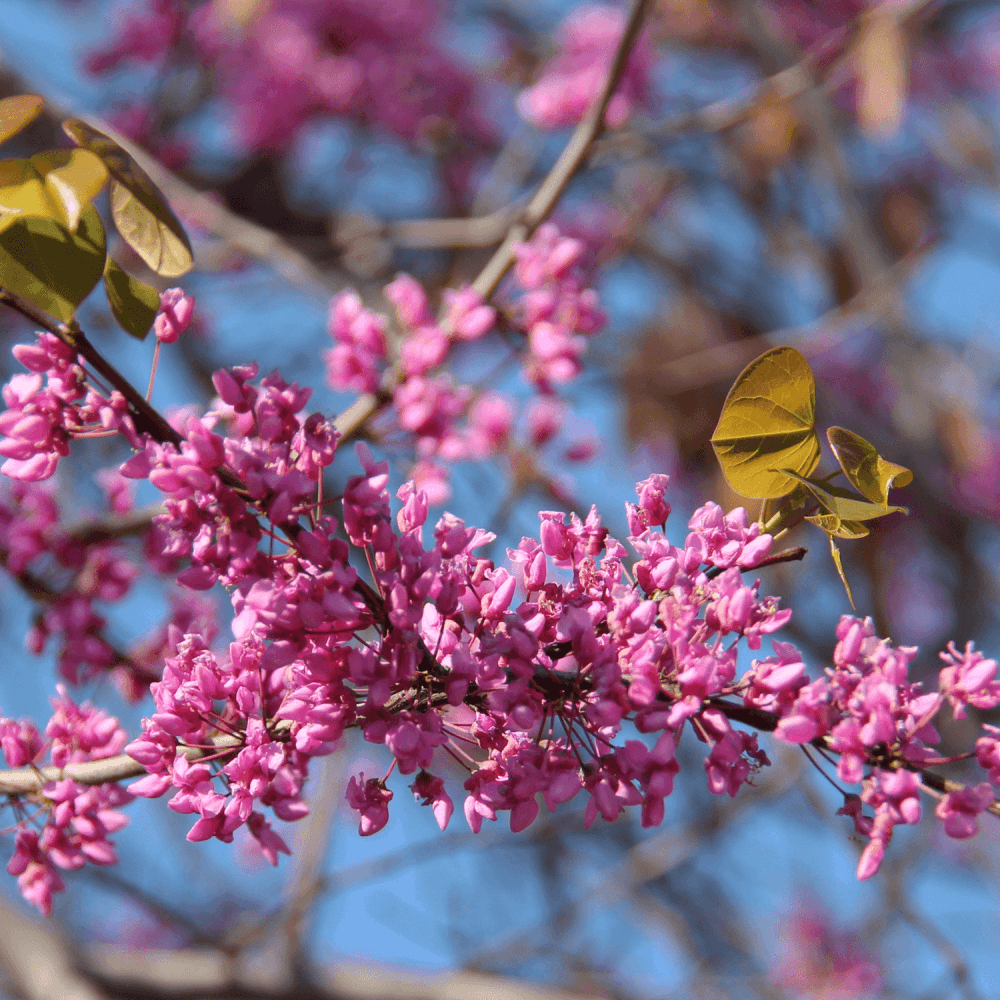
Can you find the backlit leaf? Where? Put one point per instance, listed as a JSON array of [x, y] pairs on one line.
[[74, 177], [767, 426], [145, 231], [51, 267], [835, 552], [18, 112], [837, 528], [23, 193], [141, 213], [54, 185], [844, 504], [868, 472], [133, 302]]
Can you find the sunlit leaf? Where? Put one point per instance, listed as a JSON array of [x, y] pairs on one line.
[[140, 211], [74, 177], [133, 302], [153, 239], [868, 472], [54, 185], [834, 526], [51, 267], [767, 425], [23, 193], [835, 552], [18, 112], [846, 505]]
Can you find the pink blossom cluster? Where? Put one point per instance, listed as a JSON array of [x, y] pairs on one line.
[[556, 311], [74, 576], [293, 61], [462, 666], [34, 546], [143, 35], [428, 408], [570, 670], [50, 406], [867, 711], [448, 422], [63, 825], [570, 81]]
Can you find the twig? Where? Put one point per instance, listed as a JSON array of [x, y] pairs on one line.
[[570, 160]]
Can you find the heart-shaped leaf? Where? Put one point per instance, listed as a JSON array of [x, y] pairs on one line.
[[140, 211], [133, 302], [867, 471], [766, 426], [18, 112], [54, 185], [51, 267]]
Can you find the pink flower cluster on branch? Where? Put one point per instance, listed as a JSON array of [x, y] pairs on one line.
[[446, 422], [62, 825], [570, 670]]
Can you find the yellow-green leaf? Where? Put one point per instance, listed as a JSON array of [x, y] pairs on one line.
[[23, 193], [844, 504], [767, 426], [54, 185], [835, 552], [133, 302], [145, 231], [18, 112], [51, 267], [868, 472], [837, 528], [141, 213], [74, 177]]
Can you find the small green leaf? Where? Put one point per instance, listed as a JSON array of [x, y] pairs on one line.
[[837, 528], [869, 473], [51, 267], [18, 112], [767, 425], [844, 504], [141, 213], [133, 302], [835, 552]]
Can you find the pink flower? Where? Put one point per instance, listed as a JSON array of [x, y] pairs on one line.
[[432, 793], [968, 679], [174, 316], [370, 798], [959, 809]]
